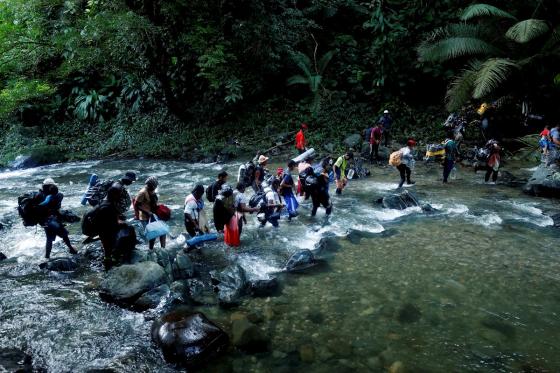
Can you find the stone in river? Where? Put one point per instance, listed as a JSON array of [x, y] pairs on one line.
[[3, 257], [352, 140], [60, 265], [400, 201], [307, 353], [183, 267], [264, 288], [409, 313], [300, 260], [247, 336], [152, 298], [397, 367], [499, 325], [545, 182], [14, 360], [125, 284], [231, 284], [188, 339]]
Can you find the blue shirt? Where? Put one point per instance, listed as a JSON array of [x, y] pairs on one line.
[[555, 135], [386, 120]]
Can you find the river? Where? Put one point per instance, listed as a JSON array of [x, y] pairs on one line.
[[472, 287]]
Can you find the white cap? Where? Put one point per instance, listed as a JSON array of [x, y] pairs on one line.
[[48, 181], [386, 112]]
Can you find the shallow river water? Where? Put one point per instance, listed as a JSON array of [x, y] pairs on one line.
[[473, 287]]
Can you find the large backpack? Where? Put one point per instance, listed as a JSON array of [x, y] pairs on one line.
[[249, 175], [395, 158], [28, 208], [211, 192], [97, 193], [257, 199], [90, 225]]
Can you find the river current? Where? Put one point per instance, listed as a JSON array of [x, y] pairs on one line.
[[474, 286]]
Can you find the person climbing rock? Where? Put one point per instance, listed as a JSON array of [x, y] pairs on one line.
[[300, 139], [108, 220], [146, 203], [49, 218], [287, 190], [339, 168], [407, 162], [193, 206]]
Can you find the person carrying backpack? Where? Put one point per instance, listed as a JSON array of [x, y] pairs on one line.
[[97, 193], [375, 141], [493, 161], [407, 162], [451, 153], [214, 189], [48, 216], [273, 204], [260, 171], [224, 208], [287, 190], [107, 221], [339, 168], [320, 193]]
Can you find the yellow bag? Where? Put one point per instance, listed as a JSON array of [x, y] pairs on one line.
[[395, 158]]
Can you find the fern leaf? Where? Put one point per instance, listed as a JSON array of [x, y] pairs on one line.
[[324, 61], [484, 10], [303, 62], [460, 90], [454, 47], [527, 30], [492, 73], [297, 79]]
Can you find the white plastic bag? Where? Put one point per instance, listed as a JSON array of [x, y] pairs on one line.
[[156, 228]]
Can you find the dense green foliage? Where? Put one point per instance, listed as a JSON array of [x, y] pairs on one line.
[[190, 78]]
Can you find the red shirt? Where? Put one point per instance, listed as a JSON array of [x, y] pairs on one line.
[[300, 140], [375, 135], [545, 132]]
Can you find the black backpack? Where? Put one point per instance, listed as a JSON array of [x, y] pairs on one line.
[[249, 175], [97, 193], [257, 199], [90, 226], [28, 208], [211, 192]]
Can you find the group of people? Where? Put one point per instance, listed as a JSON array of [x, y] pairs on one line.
[[549, 142]]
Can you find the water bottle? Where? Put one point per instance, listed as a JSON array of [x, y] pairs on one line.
[[454, 173]]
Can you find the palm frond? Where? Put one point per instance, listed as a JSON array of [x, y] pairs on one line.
[[454, 47], [297, 79], [460, 90], [324, 61], [554, 40], [484, 10], [527, 30], [303, 62], [492, 73]]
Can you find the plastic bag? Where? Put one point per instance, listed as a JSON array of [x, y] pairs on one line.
[[156, 228]]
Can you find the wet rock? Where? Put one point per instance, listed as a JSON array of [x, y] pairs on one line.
[[60, 265], [545, 182], [93, 251], [352, 141], [125, 243], [247, 336], [2, 256], [68, 216], [22, 161], [556, 220], [508, 179], [231, 284], [409, 313], [307, 353], [182, 267], [499, 325], [179, 293], [198, 292], [300, 260], [400, 201], [125, 284], [264, 288], [188, 339], [14, 360], [138, 256], [397, 367], [152, 298], [427, 208]]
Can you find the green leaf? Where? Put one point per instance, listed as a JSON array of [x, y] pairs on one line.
[[324, 61], [454, 47], [460, 90], [527, 30], [492, 73], [484, 10], [297, 79]]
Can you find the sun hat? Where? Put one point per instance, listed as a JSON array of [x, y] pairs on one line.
[[262, 159]]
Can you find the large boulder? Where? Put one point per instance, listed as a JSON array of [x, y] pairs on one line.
[[60, 264], [188, 339], [400, 201], [353, 140], [264, 287], [125, 284], [152, 298], [247, 336], [231, 284], [182, 267], [545, 182], [3, 256], [14, 360], [300, 260]]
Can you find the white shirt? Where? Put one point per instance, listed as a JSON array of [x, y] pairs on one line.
[[239, 199], [272, 196], [191, 207], [407, 158]]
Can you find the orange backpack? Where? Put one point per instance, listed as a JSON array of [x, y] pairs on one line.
[[395, 158]]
